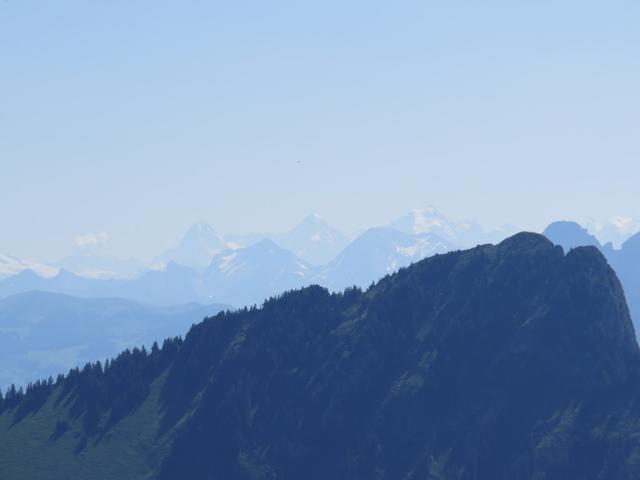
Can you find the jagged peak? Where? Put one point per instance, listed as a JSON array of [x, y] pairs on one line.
[[312, 220], [200, 228]]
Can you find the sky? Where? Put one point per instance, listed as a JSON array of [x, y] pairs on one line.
[[125, 121]]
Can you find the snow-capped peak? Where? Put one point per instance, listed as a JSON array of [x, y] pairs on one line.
[[197, 247], [10, 266], [313, 240], [461, 232]]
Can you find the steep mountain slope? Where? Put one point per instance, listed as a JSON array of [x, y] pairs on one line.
[[493, 363], [43, 334], [375, 253], [313, 240], [513, 361], [626, 263], [624, 260]]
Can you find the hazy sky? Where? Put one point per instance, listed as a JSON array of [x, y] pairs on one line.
[[137, 118]]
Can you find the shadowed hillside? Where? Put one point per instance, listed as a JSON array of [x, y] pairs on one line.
[[513, 361], [624, 260]]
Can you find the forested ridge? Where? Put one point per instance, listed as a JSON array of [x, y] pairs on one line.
[[511, 361]]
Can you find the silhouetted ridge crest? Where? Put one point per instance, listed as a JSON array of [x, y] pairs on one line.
[[461, 356], [508, 361], [526, 240]]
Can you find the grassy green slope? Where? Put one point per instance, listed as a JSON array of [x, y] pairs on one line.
[[131, 450]]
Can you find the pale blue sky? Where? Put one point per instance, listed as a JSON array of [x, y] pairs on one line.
[[138, 118]]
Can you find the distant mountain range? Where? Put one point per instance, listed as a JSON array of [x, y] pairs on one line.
[[463, 233], [245, 276], [615, 230], [10, 266], [249, 275], [312, 240], [174, 285], [43, 333], [100, 266], [206, 266], [376, 253], [514, 361]]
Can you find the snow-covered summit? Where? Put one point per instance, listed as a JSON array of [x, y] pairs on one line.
[[461, 232], [313, 240]]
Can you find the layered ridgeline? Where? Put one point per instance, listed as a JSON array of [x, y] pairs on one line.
[[42, 333], [244, 276], [625, 260], [514, 361]]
